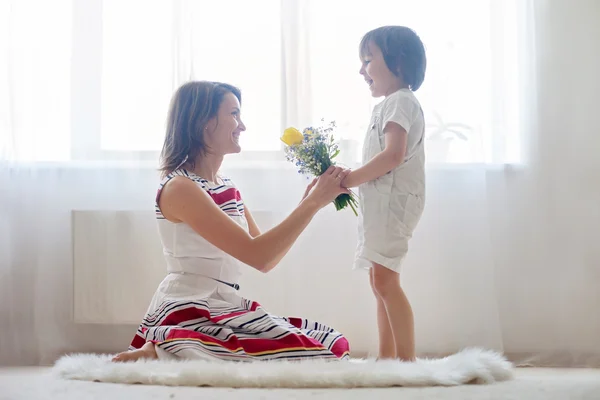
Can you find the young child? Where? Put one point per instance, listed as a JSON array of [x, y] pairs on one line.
[[391, 180]]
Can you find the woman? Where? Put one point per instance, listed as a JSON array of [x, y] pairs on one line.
[[207, 234]]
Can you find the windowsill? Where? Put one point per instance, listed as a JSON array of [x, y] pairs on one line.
[[235, 165], [254, 160]]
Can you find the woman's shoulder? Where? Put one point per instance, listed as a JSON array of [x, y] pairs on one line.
[[215, 189], [183, 173], [176, 181]]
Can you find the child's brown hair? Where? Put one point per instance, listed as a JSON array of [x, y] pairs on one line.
[[403, 52]]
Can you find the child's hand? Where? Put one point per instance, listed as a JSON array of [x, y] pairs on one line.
[[328, 187], [345, 182]]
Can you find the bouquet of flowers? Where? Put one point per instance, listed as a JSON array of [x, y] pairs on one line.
[[313, 152]]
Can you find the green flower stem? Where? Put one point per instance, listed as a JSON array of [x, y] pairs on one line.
[[345, 200]]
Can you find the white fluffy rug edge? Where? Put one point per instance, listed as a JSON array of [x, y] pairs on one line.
[[472, 365]]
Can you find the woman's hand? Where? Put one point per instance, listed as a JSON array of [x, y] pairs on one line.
[[327, 187]]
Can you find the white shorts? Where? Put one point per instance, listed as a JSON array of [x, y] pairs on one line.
[[386, 223]]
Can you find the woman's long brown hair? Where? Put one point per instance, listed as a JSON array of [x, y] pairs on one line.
[[193, 105]]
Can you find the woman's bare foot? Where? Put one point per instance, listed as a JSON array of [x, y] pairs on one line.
[[147, 351]]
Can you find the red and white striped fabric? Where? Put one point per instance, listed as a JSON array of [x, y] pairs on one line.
[[197, 313]]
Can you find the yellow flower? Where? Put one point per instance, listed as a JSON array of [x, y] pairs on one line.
[[292, 136], [308, 132]]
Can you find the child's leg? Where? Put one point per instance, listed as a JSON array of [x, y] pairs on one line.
[[387, 284], [387, 346]]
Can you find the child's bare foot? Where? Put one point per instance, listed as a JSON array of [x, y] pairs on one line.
[[147, 351]]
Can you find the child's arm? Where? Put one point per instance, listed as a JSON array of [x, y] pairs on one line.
[[391, 157]]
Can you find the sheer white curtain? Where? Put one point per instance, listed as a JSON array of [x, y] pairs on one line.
[[503, 257]]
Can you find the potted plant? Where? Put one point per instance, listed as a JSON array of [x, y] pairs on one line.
[[440, 135]]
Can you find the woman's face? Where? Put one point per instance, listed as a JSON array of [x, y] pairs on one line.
[[223, 131]]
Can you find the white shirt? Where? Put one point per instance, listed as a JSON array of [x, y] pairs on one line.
[[391, 205], [403, 108]]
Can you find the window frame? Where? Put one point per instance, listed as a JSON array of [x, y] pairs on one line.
[[86, 94]]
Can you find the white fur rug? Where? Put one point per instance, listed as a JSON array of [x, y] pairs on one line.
[[468, 366]]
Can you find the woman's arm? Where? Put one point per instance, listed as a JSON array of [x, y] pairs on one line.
[[252, 226], [255, 230], [181, 200]]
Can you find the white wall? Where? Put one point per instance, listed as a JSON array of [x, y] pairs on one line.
[[503, 258], [466, 288]]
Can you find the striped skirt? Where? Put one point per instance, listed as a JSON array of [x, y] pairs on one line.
[[212, 329]]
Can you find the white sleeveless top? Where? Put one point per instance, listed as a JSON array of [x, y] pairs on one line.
[[186, 252]]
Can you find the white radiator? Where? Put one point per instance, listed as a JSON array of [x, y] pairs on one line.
[[118, 264]]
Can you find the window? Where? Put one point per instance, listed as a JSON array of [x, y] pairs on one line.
[[35, 80], [137, 73], [467, 57], [144, 60], [106, 84]]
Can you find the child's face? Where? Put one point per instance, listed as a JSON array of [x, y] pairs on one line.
[[381, 81]]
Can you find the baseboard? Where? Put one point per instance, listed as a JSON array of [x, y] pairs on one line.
[[543, 359], [555, 359]]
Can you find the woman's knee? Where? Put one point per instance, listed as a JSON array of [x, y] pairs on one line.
[[384, 280]]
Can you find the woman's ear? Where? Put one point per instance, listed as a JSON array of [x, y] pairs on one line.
[[210, 126]]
